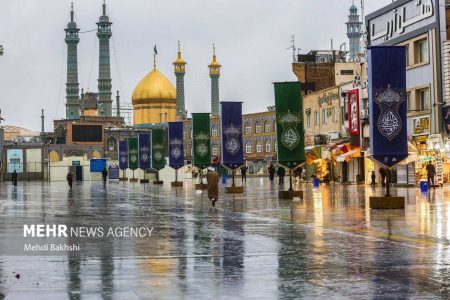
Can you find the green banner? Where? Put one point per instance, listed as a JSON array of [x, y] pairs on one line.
[[290, 135], [201, 137], [158, 148], [133, 154]]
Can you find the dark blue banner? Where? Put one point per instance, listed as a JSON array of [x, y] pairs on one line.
[[113, 172], [123, 155], [98, 165], [144, 151], [176, 150], [231, 127], [387, 104]]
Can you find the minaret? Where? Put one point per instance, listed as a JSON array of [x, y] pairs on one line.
[[72, 85], [180, 68], [354, 33], [214, 73], [118, 104], [104, 74]]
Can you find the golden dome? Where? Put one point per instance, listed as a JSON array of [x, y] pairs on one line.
[[155, 87]]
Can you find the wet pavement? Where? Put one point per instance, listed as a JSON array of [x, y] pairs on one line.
[[250, 246]]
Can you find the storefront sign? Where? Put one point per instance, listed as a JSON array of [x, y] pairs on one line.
[[439, 170], [353, 112], [76, 163], [402, 19], [421, 125], [434, 142], [328, 98], [387, 104], [113, 172], [322, 139], [14, 159], [97, 165]]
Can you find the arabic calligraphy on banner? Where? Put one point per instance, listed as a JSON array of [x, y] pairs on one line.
[[404, 18]]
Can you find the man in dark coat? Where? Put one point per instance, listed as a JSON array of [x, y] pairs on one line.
[[431, 172], [244, 173], [14, 178], [271, 170], [69, 179], [382, 172], [281, 172], [105, 175]]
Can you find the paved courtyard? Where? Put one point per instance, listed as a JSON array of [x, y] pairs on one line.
[[251, 246]]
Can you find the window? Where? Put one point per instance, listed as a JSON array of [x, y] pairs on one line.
[[258, 147], [347, 72], [248, 148], [276, 146], [267, 127], [215, 151], [258, 127], [214, 132], [335, 114], [275, 126], [111, 144], [316, 118], [308, 118], [324, 116], [185, 152], [423, 99], [268, 146], [407, 55], [421, 51], [248, 128], [408, 101]]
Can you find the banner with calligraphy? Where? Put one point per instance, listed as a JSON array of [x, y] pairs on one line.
[[387, 104], [289, 113], [231, 129], [144, 151], [353, 112], [123, 155], [176, 149], [158, 148], [201, 136], [133, 153]]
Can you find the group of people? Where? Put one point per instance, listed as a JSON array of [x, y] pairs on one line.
[[280, 171], [69, 177], [385, 175]]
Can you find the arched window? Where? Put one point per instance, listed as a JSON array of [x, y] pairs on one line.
[[267, 126], [258, 127], [259, 147], [268, 146], [111, 144], [248, 147], [248, 128]]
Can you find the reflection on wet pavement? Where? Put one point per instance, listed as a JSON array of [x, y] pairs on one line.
[[250, 246]]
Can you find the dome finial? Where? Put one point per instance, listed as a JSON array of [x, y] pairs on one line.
[[71, 12], [179, 50], [214, 52], [155, 51]]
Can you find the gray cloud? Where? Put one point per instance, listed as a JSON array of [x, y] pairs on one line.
[[251, 38]]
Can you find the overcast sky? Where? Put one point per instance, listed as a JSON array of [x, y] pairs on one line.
[[251, 38]]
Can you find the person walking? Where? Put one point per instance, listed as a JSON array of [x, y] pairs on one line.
[[281, 172], [244, 173], [69, 179], [382, 172], [212, 178], [431, 172], [14, 179], [372, 177], [271, 170], [105, 175]]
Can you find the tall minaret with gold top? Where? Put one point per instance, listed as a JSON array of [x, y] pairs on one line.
[[180, 69], [214, 73]]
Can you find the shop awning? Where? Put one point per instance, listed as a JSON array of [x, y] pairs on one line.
[[347, 156], [312, 154]]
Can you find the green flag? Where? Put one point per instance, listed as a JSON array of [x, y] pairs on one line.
[[289, 113], [133, 154], [201, 139], [158, 148]]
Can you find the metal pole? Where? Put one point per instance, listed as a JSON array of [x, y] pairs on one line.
[[232, 174], [176, 175]]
